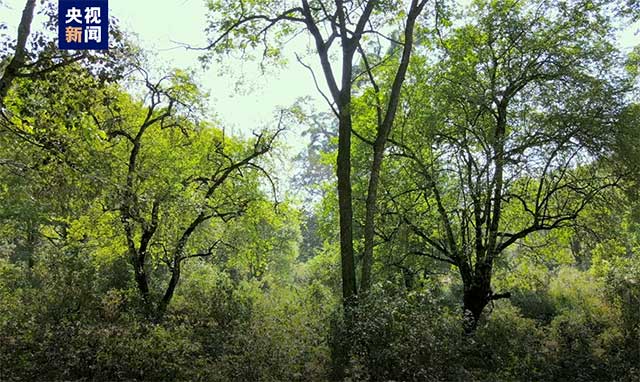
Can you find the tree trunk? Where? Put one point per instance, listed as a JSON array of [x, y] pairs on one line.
[[168, 294], [369, 227], [475, 299], [141, 280], [384, 129], [477, 294], [342, 347], [349, 289]]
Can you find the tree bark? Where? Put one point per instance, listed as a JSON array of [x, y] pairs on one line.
[[349, 288], [384, 129], [171, 287]]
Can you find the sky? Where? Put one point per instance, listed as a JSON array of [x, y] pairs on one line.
[[245, 107], [161, 24]]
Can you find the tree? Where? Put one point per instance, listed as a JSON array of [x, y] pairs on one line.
[[30, 64], [179, 176], [508, 135], [239, 25]]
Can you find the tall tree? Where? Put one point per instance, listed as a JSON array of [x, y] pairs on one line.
[[505, 136], [341, 26]]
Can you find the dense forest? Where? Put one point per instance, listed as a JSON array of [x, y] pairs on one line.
[[466, 207]]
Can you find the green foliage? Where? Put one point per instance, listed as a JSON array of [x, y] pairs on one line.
[[408, 336], [263, 242], [285, 339], [101, 188]]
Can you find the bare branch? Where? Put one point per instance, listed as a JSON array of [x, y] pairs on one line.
[[315, 82]]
